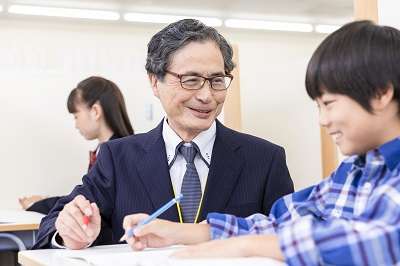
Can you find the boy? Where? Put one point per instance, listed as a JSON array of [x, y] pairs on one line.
[[350, 218]]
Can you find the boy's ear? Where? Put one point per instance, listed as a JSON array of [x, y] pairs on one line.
[[154, 84], [383, 99], [96, 111]]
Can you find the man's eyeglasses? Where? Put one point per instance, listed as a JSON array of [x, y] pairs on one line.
[[196, 82]]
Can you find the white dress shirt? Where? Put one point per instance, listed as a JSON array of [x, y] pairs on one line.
[[205, 141]]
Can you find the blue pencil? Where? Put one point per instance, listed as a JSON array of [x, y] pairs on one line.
[[161, 210]]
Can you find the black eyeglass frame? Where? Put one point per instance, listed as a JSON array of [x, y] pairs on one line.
[[180, 76]]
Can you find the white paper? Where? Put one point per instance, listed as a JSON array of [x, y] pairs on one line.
[[114, 255], [122, 255]]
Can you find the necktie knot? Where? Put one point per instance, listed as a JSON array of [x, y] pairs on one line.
[[188, 152]]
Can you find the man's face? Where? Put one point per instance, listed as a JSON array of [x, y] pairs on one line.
[[191, 111]]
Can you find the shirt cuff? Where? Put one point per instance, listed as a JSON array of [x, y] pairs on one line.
[[297, 243], [222, 225], [55, 244]]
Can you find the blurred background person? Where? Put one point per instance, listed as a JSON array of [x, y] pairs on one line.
[[99, 110]]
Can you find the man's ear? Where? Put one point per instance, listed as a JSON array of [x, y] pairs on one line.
[[154, 82], [96, 111], [383, 99]]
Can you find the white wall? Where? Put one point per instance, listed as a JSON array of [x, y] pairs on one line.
[[275, 105], [41, 61], [388, 13]]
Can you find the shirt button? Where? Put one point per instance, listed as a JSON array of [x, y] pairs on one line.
[[336, 213], [367, 187]]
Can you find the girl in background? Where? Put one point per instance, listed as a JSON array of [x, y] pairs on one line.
[[99, 110]]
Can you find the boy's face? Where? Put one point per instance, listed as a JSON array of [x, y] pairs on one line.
[[353, 129]]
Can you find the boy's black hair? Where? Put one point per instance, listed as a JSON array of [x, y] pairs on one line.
[[108, 95], [359, 60]]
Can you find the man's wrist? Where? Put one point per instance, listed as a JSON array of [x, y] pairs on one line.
[[57, 241]]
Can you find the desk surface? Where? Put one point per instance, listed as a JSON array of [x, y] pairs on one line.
[[12, 227], [114, 253], [19, 220], [18, 229]]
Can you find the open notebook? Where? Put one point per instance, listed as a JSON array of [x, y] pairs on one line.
[[122, 255]]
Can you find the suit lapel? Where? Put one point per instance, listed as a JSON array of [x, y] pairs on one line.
[[154, 173], [224, 172]]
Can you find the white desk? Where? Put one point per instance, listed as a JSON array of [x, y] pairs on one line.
[[16, 227], [121, 255]]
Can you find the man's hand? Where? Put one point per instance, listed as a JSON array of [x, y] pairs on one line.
[[70, 223]]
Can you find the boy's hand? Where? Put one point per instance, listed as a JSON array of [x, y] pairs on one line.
[[243, 246], [158, 233], [70, 223], [162, 233], [233, 247]]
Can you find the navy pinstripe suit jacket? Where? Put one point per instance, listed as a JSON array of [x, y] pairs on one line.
[[247, 174]]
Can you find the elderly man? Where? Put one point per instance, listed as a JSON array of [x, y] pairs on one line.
[[189, 152]]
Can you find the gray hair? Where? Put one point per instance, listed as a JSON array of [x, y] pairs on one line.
[[175, 36]]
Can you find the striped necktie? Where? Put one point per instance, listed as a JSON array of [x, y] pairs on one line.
[[191, 187]]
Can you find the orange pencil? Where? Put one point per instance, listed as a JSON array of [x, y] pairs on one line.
[[86, 219]]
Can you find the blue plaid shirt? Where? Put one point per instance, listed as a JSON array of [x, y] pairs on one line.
[[350, 218]]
